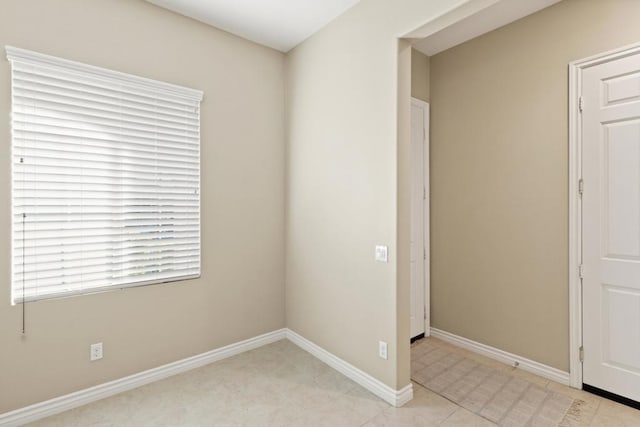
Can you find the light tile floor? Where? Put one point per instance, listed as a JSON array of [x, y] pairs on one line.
[[282, 385]]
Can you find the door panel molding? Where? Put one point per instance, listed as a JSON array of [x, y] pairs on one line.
[[576, 69]]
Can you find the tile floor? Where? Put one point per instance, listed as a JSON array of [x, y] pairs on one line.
[[494, 394], [282, 385]]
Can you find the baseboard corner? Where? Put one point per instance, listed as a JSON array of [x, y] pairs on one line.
[[388, 394], [404, 395]]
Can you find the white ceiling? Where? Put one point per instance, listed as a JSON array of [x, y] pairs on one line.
[[280, 24]]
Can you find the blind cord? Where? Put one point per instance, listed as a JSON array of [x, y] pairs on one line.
[[24, 302]]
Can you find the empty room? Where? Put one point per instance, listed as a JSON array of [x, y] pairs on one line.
[[320, 212]]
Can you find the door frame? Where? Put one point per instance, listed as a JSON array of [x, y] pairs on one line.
[[426, 216], [575, 201]]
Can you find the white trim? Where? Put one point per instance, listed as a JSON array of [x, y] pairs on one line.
[[471, 19], [461, 11], [393, 397], [575, 207], [426, 241], [36, 58], [575, 229], [73, 400], [502, 356], [60, 404], [402, 396]]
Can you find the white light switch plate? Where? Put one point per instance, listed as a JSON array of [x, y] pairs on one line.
[[382, 253]]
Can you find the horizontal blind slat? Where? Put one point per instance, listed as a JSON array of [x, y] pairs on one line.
[[58, 249], [166, 225], [61, 179], [127, 205], [104, 211], [39, 158], [105, 251], [108, 238], [35, 217], [44, 151], [100, 185], [22, 170], [43, 270]]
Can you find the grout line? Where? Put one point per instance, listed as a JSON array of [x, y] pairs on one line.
[[595, 413], [516, 400], [451, 414]]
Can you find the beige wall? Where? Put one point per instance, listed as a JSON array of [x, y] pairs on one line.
[[343, 182], [241, 292], [499, 175], [420, 72]]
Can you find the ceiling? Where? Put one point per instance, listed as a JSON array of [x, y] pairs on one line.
[[283, 24], [280, 24]]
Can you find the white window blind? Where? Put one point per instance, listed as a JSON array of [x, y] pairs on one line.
[[105, 179]]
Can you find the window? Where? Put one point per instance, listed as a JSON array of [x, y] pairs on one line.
[[105, 179]]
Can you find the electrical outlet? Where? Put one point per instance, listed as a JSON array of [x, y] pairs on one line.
[[96, 351], [382, 350]]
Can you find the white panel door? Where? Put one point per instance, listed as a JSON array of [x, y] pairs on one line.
[[419, 217], [611, 226]]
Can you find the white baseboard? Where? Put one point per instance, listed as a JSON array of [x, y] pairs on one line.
[[394, 397], [73, 400], [523, 363], [63, 403]]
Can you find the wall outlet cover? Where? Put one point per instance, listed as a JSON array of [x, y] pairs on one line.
[[96, 351]]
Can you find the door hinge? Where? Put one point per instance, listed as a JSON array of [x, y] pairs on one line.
[[424, 135], [424, 193], [581, 349], [580, 187], [425, 312], [424, 253], [581, 104], [581, 271]]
